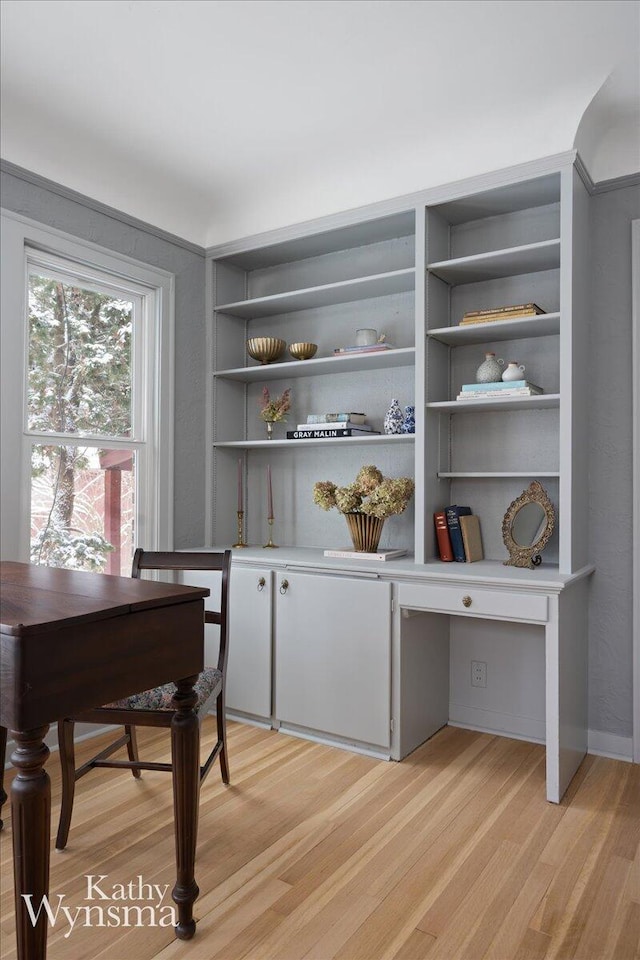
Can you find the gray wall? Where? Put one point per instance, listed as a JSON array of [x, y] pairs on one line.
[[64, 212], [610, 463]]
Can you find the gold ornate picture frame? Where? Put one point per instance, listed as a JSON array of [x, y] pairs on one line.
[[527, 526]]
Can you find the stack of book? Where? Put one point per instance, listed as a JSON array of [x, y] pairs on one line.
[[350, 351], [515, 312], [458, 534], [500, 389], [330, 425]]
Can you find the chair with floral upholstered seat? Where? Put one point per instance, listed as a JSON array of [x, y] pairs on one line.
[[154, 708]]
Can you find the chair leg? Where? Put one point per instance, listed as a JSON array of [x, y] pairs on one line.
[[3, 751], [221, 721], [68, 765], [132, 747]]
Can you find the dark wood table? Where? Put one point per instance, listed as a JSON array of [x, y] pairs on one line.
[[72, 641]]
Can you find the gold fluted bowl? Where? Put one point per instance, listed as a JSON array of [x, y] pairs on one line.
[[302, 351], [265, 349]]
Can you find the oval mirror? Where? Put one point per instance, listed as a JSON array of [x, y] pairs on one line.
[[527, 526]]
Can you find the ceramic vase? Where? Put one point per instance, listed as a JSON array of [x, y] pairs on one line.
[[394, 418], [490, 370], [513, 371], [409, 422]]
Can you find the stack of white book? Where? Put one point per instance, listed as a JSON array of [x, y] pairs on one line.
[[511, 388]]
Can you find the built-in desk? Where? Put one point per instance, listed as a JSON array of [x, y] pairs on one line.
[[486, 590]]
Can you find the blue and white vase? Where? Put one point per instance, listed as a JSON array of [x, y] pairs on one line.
[[394, 418], [409, 422]]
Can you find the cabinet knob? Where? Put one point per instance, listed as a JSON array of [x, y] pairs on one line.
[[283, 586], [466, 601], [261, 584]]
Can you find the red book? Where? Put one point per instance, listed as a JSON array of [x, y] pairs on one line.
[[442, 535]]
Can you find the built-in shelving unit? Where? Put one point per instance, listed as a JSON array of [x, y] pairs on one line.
[[509, 245], [408, 627], [319, 288], [412, 274]]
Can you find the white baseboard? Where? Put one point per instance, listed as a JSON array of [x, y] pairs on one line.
[[524, 728], [491, 721], [610, 745]]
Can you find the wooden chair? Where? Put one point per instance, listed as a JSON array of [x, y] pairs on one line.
[[153, 708]]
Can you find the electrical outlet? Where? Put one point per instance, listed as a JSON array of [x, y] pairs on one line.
[[478, 673]]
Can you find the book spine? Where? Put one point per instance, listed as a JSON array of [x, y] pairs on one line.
[[352, 555], [380, 348], [442, 535], [455, 533], [495, 311], [494, 385], [329, 432], [334, 424], [336, 417], [495, 319], [492, 394]]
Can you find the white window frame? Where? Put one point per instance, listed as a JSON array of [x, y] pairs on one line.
[[24, 241]]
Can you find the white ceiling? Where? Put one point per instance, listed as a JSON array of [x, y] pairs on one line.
[[221, 118]]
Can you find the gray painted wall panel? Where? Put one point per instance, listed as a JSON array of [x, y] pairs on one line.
[[610, 463], [81, 221]]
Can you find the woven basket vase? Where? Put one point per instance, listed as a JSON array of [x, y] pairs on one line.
[[365, 531]]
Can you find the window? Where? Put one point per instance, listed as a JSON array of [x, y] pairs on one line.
[[92, 434]]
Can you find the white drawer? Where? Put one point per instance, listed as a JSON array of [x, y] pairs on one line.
[[473, 601]]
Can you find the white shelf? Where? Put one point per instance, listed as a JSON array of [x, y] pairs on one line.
[[541, 402], [530, 258], [498, 475], [324, 441], [542, 325], [350, 363], [345, 291]]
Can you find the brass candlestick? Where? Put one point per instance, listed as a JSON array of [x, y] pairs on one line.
[[240, 542], [270, 542]]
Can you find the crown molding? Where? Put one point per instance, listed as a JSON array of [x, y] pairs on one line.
[[617, 183], [12, 169]]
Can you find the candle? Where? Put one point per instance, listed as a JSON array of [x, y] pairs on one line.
[[269, 494], [239, 486]]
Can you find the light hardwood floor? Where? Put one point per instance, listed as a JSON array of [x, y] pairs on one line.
[[313, 852]]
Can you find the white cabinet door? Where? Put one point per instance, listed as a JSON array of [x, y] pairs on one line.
[[333, 655], [249, 664]]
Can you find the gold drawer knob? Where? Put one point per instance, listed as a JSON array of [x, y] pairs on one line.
[[466, 601]]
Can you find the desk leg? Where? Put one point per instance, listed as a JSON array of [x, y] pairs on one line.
[[31, 826], [185, 755], [3, 751]]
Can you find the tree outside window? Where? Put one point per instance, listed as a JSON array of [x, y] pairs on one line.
[[80, 385]]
